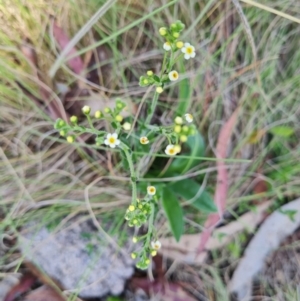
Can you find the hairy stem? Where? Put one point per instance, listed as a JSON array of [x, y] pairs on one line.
[[150, 225], [133, 178]]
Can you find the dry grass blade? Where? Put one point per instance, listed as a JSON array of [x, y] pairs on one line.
[[272, 10], [103, 9]]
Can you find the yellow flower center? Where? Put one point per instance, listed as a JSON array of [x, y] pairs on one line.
[[112, 140], [151, 190], [189, 50], [172, 151], [175, 75]]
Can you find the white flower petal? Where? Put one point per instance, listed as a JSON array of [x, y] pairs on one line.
[[112, 145], [193, 54], [183, 50], [167, 46], [115, 135], [187, 44], [187, 56], [117, 142], [108, 136], [106, 142]]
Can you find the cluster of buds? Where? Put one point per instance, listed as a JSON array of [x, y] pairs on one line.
[[178, 133], [143, 257], [172, 33], [68, 130], [138, 213], [182, 127], [171, 45]]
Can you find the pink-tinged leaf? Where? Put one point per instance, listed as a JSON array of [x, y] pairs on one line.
[[44, 293], [168, 291], [53, 106], [75, 63], [23, 286], [222, 180]]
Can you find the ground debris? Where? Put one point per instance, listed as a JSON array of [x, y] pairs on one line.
[[78, 258], [277, 227]]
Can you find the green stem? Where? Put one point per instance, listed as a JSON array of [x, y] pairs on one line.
[[133, 177], [90, 121], [155, 97], [163, 65], [150, 225], [86, 130]]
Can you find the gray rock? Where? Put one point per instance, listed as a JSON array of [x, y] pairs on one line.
[[79, 258]]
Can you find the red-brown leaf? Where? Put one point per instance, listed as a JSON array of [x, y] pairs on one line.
[[222, 180], [75, 63], [44, 293], [23, 286]]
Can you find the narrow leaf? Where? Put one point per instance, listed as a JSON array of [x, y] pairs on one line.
[[182, 165], [173, 212], [188, 189], [282, 131]]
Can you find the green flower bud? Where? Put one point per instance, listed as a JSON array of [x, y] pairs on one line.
[[98, 114], [70, 139], [74, 119], [63, 133], [59, 124], [86, 110]]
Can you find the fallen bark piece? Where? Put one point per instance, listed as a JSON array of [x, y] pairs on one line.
[[10, 282], [79, 258], [273, 231], [186, 249], [44, 293]]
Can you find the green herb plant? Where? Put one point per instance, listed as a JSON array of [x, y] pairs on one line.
[[142, 210]]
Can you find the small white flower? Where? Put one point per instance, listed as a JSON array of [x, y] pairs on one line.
[[189, 117], [173, 75], [188, 50], [155, 245], [167, 46], [144, 140], [151, 190], [112, 140], [171, 150]]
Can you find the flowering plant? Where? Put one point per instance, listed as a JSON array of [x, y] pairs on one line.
[[142, 210]]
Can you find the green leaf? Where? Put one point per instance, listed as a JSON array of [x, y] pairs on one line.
[[282, 131], [289, 213], [114, 125], [181, 165], [188, 189], [156, 78], [173, 212]]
